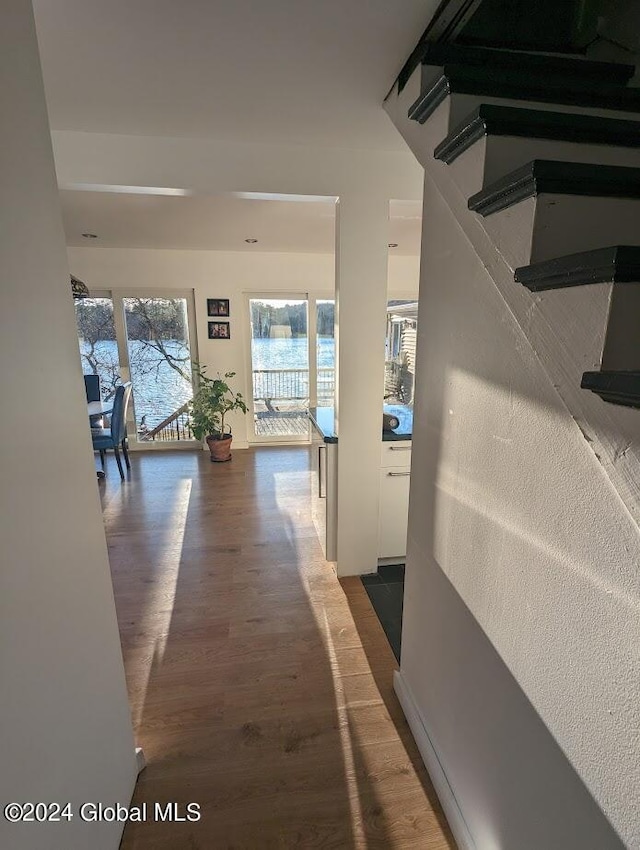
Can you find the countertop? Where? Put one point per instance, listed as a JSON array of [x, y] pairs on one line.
[[323, 420]]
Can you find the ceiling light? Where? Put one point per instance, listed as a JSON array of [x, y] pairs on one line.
[[251, 241], [393, 244], [90, 235]]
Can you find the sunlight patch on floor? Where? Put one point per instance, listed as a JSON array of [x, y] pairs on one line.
[[350, 775], [158, 609]]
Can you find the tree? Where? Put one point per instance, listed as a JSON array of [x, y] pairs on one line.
[[152, 322], [156, 331], [94, 317]]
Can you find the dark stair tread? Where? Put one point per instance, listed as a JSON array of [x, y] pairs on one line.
[[560, 178], [617, 264], [495, 120], [431, 53], [521, 85], [616, 387]]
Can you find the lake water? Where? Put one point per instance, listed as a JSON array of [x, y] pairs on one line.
[[291, 353], [159, 390]]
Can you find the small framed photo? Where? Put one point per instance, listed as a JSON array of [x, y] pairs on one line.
[[217, 306], [219, 330]]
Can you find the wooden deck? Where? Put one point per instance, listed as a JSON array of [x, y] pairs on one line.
[[260, 686], [275, 425]]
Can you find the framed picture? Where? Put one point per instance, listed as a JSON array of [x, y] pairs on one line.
[[217, 306], [219, 330]]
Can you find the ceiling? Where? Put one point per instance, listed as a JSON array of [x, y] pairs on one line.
[[296, 71], [218, 223]]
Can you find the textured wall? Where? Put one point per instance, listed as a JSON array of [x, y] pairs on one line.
[[517, 534]]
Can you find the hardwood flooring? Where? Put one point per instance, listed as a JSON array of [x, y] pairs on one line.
[[260, 686]]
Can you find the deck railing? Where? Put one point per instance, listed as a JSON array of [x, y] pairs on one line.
[[287, 389], [176, 426], [291, 385]]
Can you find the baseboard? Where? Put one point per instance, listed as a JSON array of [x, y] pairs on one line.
[[437, 773]]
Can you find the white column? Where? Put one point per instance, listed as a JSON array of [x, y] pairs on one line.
[[361, 297], [65, 727]]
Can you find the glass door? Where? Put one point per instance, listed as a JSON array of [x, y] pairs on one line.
[[147, 339], [325, 352], [97, 340], [279, 351]]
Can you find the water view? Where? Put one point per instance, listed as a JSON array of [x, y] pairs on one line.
[[159, 389], [158, 355], [270, 353]]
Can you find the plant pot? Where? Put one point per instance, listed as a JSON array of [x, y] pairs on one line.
[[220, 448]]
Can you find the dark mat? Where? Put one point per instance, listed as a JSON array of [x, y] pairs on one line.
[[386, 590]]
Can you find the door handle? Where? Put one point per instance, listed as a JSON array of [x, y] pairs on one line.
[[321, 470], [397, 474]]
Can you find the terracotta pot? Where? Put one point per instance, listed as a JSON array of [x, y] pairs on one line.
[[220, 449]]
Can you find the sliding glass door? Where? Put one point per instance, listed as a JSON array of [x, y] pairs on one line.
[[147, 338], [325, 352], [279, 368]]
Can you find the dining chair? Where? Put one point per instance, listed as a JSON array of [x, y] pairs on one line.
[[115, 437], [92, 389]]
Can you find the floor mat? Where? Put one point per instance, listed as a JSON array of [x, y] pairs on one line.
[[386, 590]]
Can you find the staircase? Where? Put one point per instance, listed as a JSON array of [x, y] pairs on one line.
[[531, 233], [544, 153]]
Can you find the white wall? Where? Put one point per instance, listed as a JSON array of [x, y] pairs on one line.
[[221, 274], [521, 628], [65, 729]]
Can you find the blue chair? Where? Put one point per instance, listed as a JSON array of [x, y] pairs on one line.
[[92, 389], [115, 436]]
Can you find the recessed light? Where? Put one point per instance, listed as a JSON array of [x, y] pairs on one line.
[[393, 244], [90, 235], [251, 241]]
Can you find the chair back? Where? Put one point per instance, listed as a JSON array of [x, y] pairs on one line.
[[92, 387], [119, 412]]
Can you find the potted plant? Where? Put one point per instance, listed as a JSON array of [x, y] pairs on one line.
[[210, 404]]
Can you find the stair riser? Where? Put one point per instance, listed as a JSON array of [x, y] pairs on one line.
[[549, 226], [622, 344], [511, 231], [567, 224], [493, 157]]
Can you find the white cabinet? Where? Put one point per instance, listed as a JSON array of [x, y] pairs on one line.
[[396, 453], [395, 475], [324, 483]]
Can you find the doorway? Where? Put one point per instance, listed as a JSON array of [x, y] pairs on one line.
[[292, 363]]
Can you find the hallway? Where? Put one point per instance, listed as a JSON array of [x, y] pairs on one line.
[[260, 687]]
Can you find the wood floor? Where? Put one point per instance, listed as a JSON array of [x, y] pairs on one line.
[[261, 687]]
